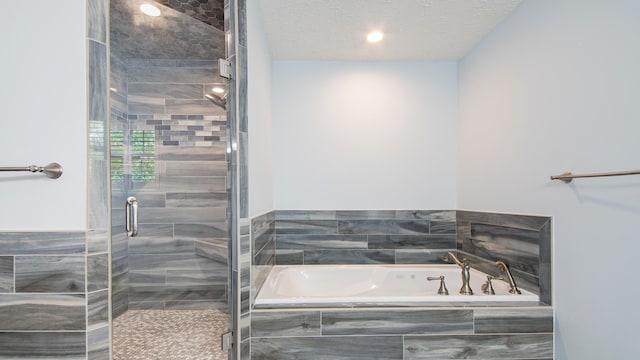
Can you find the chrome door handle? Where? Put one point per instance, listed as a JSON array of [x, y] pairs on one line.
[[131, 215]]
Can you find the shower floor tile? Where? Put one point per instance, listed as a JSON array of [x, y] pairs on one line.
[[169, 335]]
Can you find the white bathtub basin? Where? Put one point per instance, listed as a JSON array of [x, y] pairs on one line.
[[378, 285]]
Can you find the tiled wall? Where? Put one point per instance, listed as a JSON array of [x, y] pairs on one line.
[[401, 237], [179, 258], [363, 237], [54, 286], [521, 241]]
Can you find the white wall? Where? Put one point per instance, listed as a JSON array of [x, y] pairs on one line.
[[556, 87], [259, 110], [43, 116], [364, 135]]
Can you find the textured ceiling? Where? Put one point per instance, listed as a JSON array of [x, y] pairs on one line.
[[210, 12], [433, 30]]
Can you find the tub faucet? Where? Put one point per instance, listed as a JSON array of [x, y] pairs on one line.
[[464, 265], [505, 269]]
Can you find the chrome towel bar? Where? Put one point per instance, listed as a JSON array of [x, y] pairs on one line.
[[567, 177], [53, 170]]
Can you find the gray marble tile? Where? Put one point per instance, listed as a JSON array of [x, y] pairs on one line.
[[50, 273], [525, 222], [264, 238], [218, 304], [479, 346], [210, 276], [241, 82], [145, 73], [146, 305], [6, 274], [243, 169], [98, 343], [434, 215], [245, 244], [245, 326], [97, 20], [166, 90], [97, 272], [192, 184], [384, 227], [216, 152], [158, 239], [285, 323], [544, 272], [394, 322], [314, 241], [97, 82], [180, 215], [412, 241], [189, 199], [173, 293], [328, 347], [517, 247], [289, 257], [209, 231], [98, 240], [216, 250], [418, 256], [442, 227], [145, 278], [36, 312], [201, 107], [145, 105], [245, 350], [266, 256], [519, 320], [365, 214], [37, 243], [196, 168], [98, 308], [348, 256], [305, 215], [42, 345], [98, 200], [167, 261], [306, 227]]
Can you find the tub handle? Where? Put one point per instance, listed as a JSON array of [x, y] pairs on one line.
[[487, 287], [443, 288]]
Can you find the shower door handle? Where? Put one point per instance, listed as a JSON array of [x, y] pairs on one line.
[[131, 217]]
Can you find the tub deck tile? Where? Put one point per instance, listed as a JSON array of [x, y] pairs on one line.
[[394, 322], [519, 320], [519, 346], [328, 347], [285, 323]]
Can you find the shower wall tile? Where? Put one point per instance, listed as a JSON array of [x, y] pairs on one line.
[[520, 346], [39, 243], [167, 91], [42, 345], [243, 169], [38, 312], [314, 241], [347, 348], [97, 272], [212, 153], [216, 250], [192, 106], [210, 230], [97, 85], [198, 277], [183, 216], [196, 168], [98, 343], [394, 322], [61, 274], [421, 256], [203, 199], [97, 21], [6, 274], [263, 250], [146, 72], [98, 308]]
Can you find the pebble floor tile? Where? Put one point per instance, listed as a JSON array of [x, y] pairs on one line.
[[169, 335]]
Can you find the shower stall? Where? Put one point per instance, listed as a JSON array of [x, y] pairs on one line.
[[169, 141]]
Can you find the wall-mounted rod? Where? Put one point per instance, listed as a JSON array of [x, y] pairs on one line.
[[53, 170], [567, 177]]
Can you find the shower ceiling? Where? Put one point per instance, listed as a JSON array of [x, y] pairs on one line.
[[208, 11]]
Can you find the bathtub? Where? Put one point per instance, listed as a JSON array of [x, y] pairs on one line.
[[380, 285]]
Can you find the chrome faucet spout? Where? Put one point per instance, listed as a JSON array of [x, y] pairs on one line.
[[512, 283], [466, 276]]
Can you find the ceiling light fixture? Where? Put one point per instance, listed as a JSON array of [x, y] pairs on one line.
[[374, 36], [150, 10]]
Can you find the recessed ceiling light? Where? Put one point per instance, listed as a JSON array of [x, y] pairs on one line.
[[150, 10], [217, 90], [374, 36]]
